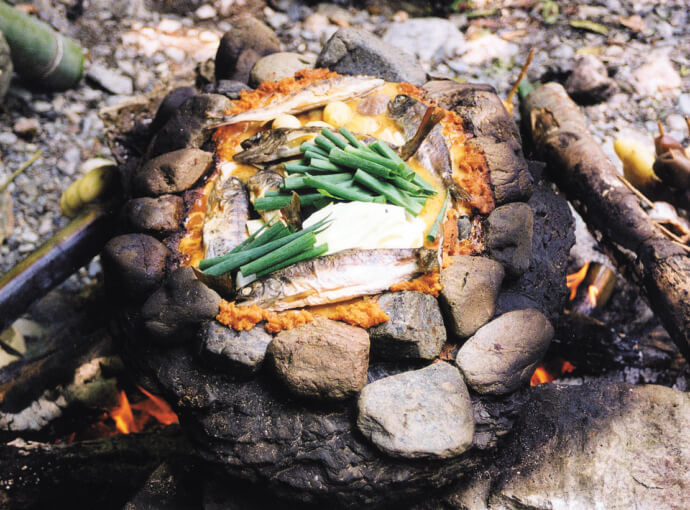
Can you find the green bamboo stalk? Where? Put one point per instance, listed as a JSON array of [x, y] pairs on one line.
[[38, 52]]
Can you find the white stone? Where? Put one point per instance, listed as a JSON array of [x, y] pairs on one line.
[[657, 74], [426, 38], [487, 48]]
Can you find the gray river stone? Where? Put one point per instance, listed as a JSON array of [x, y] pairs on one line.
[[190, 126], [414, 330], [599, 445], [502, 355], [172, 172], [419, 414], [155, 216], [134, 265], [246, 42], [427, 39], [589, 83], [508, 238], [322, 359], [470, 288], [277, 66], [172, 314], [603, 445], [354, 51], [239, 352]]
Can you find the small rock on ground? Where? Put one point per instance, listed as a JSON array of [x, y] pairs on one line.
[[353, 51], [426, 38], [589, 83], [111, 79], [277, 66]]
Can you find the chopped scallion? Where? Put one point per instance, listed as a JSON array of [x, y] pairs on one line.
[[335, 139], [312, 253], [296, 246], [433, 231]]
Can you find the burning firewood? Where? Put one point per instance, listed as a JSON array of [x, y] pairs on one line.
[[657, 263]]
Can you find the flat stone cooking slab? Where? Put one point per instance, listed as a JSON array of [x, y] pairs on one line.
[[306, 452]]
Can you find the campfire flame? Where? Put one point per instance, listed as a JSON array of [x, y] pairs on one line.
[[133, 418], [543, 375], [573, 281], [592, 294]]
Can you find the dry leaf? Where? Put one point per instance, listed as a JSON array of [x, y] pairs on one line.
[[634, 23], [585, 24]]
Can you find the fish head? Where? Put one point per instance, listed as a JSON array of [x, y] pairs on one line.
[[264, 291], [260, 147], [263, 181], [400, 105]]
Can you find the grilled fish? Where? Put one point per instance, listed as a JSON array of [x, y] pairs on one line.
[[337, 277], [316, 95], [431, 151], [261, 182], [227, 213], [274, 144]]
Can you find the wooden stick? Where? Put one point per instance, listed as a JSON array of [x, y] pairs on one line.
[[657, 264], [508, 102], [54, 260], [636, 191]]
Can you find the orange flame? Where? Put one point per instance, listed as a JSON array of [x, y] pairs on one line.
[[132, 418], [592, 294], [573, 281], [567, 367], [122, 414], [542, 375]]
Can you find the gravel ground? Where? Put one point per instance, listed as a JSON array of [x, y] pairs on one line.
[[135, 48]]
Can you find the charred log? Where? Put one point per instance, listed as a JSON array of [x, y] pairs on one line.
[[77, 333], [90, 474], [594, 347], [657, 264]]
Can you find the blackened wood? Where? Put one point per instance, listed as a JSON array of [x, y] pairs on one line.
[[54, 261], [590, 180], [100, 473], [76, 334], [594, 347]]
